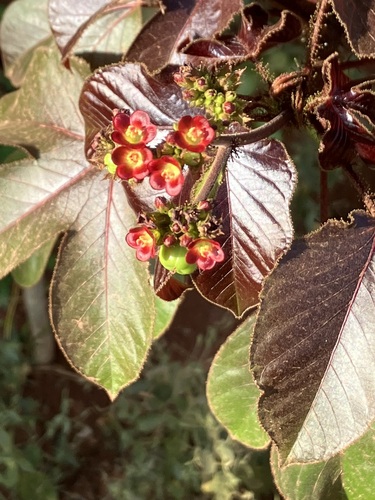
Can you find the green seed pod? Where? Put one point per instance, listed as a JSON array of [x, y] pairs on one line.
[[173, 259]]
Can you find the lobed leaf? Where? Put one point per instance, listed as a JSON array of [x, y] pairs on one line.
[[99, 291], [107, 26], [41, 196], [231, 392], [30, 272], [320, 481], [313, 342], [28, 17], [163, 40], [254, 203], [165, 312]]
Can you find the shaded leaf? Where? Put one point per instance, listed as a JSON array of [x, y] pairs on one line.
[[165, 312], [231, 392], [313, 342], [320, 481], [163, 40], [254, 202], [359, 28], [99, 25], [359, 469], [29, 272], [99, 292], [41, 196], [28, 17]]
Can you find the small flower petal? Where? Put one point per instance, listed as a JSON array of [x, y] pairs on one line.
[[135, 130], [166, 173], [194, 133], [205, 253], [143, 241], [131, 163]]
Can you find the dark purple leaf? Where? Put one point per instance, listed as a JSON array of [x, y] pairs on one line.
[[163, 40], [314, 342], [98, 25], [130, 86], [358, 19], [254, 202]]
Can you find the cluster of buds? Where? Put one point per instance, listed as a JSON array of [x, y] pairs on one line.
[[183, 237], [123, 149], [216, 93]]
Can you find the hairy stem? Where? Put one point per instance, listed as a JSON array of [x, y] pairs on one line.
[[255, 135], [362, 189], [222, 156], [318, 21]]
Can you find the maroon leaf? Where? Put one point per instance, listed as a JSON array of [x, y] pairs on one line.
[[130, 86], [346, 114], [163, 40], [314, 342], [75, 25], [360, 28], [254, 202]]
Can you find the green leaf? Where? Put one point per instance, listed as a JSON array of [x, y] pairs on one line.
[[102, 304], [320, 481], [314, 342], [23, 28], [29, 272], [41, 195], [359, 468], [231, 391], [165, 312]]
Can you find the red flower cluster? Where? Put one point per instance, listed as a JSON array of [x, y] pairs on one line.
[[132, 159]]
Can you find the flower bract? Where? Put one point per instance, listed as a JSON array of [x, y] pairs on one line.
[[194, 133], [204, 253], [166, 173], [131, 163], [134, 130], [143, 241]]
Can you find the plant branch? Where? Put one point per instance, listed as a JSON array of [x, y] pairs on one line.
[[315, 33], [255, 135], [222, 156], [362, 189]]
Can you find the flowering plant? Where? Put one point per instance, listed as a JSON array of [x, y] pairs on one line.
[[163, 174]]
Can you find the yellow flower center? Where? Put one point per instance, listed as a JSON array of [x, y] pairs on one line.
[[194, 135]]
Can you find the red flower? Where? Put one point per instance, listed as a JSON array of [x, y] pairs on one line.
[[143, 241], [194, 134], [133, 130], [131, 163], [165, 173], [205, 253]]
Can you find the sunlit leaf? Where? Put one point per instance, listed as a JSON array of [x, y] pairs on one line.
[[28, 17], [359, 28], [320, 481], [162, 41], [99, 25], [231, 391], [254, 203], [41, 196], [100, 290], [359, 468], [314, 343]]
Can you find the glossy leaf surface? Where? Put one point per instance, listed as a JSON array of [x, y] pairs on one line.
[[231, 392], [163, 40], [313, 342], [254, 202]]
